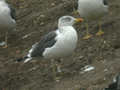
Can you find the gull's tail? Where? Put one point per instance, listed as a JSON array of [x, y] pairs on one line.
[[25, 59]]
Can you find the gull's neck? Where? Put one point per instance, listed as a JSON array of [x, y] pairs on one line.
[[63, 29]]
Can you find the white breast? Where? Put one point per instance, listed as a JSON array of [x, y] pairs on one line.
[[65, 45], [6, 22], [91, 9]]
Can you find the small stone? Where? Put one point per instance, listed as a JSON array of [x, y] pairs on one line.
[[81, 57], [53, 4], [42, 16], [42, 23]]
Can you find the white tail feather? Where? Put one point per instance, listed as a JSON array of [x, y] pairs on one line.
[[28, 59]]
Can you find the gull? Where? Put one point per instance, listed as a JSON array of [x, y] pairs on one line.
[[115, 85], [92, 10], [56, 44], [7, 19]]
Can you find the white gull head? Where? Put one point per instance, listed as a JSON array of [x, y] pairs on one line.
[[66, 21]]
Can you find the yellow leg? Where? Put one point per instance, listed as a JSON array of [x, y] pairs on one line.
[[100, 32], [59, 73], [53, 68], [56, 68], [88, 35], [6, 40], [75, 12]]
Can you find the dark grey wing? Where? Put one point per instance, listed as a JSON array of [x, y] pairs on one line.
[[105, 2], [112, 86], [115, 85], [12, 12], [118, 82], [46, 41]]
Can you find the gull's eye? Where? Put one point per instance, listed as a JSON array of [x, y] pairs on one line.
[[105, 2]]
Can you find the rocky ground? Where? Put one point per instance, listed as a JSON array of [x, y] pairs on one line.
[[36, 18]]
